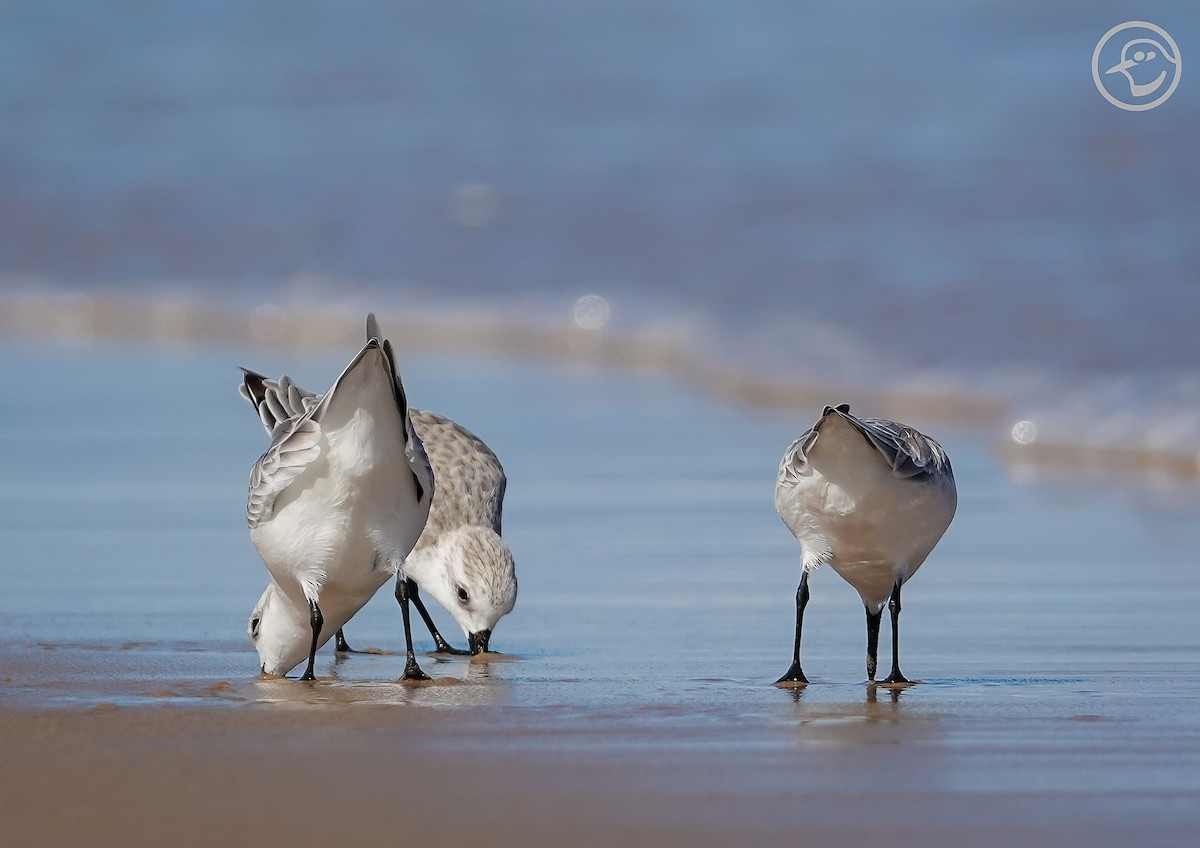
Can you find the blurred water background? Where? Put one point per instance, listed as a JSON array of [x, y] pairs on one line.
[[927, 202]]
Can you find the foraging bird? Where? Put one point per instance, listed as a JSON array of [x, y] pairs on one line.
[[870, 498], [336, 504], [460, 557]]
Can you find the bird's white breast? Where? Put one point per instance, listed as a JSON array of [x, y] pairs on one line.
[[848, 510]]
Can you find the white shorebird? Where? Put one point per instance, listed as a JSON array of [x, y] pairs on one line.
[[460, 557], [870, 498], [335, 506]]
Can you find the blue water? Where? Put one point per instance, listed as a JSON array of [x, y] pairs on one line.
[[882, 198], [649, 554], [940, 183]]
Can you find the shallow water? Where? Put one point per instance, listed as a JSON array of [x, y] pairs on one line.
[[1049, 629]]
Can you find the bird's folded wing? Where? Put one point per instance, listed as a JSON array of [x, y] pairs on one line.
[[794, 464], [278, 400], [296, 443], [422, 469], [500, 489], [414, 449], [909, 452]]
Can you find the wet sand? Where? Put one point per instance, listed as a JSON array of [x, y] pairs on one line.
[[851, 776], [846, 773], [1050, 630]]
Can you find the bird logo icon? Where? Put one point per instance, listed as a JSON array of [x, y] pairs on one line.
[[1149, 63], [1131, 58]]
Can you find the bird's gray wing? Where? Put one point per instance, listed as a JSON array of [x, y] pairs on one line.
[[276, 401], [297, 442], [414, 450], [500, 502], [910, 453], [289, 414], [794, 464]]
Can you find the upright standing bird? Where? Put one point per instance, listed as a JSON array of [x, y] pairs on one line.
[[335, 506], [871, 498], [460, 557]]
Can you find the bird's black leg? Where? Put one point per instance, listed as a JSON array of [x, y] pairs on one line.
[[443, 647], [340, 643], [894, 608], [412, 671], [795, 674], [873, 619], [317, 622]]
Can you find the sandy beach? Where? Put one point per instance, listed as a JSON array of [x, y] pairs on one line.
[[633, 702], [850, 775]]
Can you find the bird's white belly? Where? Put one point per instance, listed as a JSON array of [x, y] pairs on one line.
[[308, 543], [871, 535], [367, 451]]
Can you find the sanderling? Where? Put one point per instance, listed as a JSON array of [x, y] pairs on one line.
[[335, 506], [871, 498], [460, 557]]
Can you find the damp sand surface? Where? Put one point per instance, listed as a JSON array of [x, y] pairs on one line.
[[632, 701]]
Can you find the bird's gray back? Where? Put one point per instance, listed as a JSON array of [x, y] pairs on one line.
[[470, 481], [909, 453]]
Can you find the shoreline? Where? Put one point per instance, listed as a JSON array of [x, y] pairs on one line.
[[180, 320]]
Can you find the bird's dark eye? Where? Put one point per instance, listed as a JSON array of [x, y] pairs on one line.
[[462, 595]]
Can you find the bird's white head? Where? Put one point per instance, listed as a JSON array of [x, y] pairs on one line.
[[281, 631], [471, 572]]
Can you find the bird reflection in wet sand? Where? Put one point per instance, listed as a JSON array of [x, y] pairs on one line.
[[797, 693]]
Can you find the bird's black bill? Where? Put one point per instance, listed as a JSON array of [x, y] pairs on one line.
[[478, 642]]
